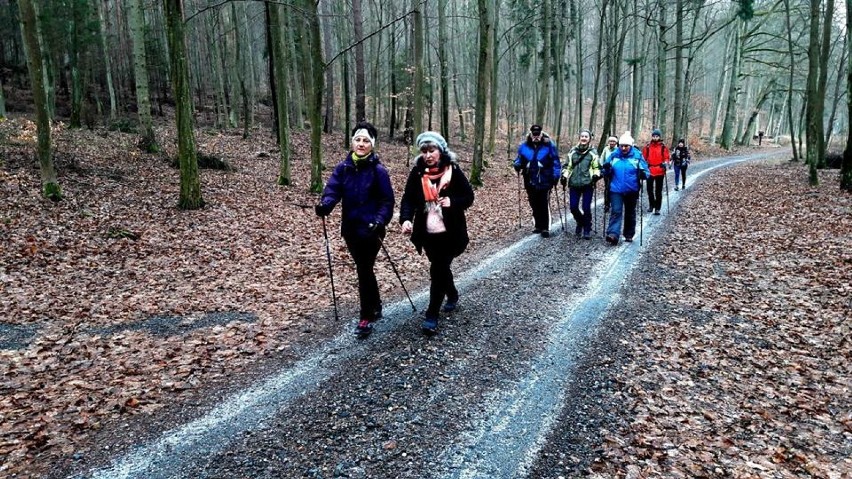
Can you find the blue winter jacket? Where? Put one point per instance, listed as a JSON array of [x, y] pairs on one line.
[[625, 170], [366, 193], [539, 163]]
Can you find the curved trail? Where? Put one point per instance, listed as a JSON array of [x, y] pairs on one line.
[[478, 400]]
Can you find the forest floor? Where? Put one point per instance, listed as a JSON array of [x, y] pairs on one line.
[[115, 305]]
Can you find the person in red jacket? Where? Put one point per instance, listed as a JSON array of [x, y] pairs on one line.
[[656, 153]]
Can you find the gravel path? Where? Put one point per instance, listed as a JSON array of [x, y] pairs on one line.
[[514, 384]]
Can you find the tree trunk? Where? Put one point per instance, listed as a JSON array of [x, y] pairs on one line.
[[106, 59], [328, 116], [278, 58], [677, 127], [813, 115], [317, 67], [615, 75], [443, 67], [544, 74], [29, 28], [483, 74], [598, 69], [417, 17], [662, 77], [846, 166], [2, 102], [190, 185], [148, 142], [727, 139], [827, 22], [494, 59], [748, 131], [360, 83]]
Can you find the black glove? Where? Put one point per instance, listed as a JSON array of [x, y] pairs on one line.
[[642, 175], [664, 166], [376, 228], [606, 167], [563, 181], [595, 179], [517, 168], [322, 210]]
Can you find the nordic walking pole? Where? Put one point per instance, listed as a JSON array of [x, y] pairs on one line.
[[330, 271], [595, 206], [641, 213], [519, 200], [393, 266], [666, 176]]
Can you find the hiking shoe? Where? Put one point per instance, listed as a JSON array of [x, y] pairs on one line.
[[429, 326], [656, 212], [651, 209], [611, 239], [578, 231], [451, 305], [629, 240], [545, 234], [676, 188], [587, 235], [364, 328]]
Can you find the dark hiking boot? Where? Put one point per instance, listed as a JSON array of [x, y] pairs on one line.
[[545, 234], [429, 326], [364, 328], [451, 305], [629, 240], [613, 240], [578, 231], [656, 212], [676, 188], [587, 235]]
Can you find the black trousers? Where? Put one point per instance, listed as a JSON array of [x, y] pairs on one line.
[[437, 247], [364, 252], [655, 191], [540, 204]]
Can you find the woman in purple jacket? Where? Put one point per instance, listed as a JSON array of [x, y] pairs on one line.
[[362, 184]]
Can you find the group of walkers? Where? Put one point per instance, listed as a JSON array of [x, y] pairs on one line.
[[622, 166], [437, 193]]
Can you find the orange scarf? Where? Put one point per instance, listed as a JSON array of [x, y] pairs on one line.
[[430, 190]]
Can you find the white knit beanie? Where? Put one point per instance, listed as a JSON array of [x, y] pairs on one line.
[[626, 139]]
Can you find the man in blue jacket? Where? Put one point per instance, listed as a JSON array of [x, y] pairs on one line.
[[626, 169], [538, 161]]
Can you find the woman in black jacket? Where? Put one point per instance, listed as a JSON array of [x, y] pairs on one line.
[[432, 211]]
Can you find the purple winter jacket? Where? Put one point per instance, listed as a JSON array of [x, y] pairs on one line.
[[366, 193]]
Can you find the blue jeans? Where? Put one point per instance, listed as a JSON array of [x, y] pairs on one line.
[[583, 218], [680, 174], [622, 203]]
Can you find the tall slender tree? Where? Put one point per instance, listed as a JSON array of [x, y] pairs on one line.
[[482, 76], [276, 42], [49, 184], [190, 184], [135, 19], [846, 166]]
